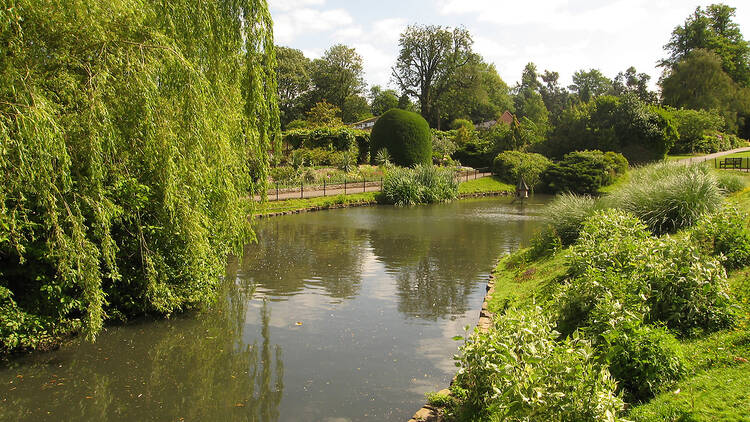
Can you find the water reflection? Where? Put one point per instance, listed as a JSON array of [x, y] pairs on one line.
[[189, 368]]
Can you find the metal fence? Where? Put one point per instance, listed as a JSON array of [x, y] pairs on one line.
[[313, 190]]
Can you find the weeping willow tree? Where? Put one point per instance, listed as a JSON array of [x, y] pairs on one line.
[[132, 133]]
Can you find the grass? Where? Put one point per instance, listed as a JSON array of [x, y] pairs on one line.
[[678, 157], [520, 283], [322, 202], [484, 185]]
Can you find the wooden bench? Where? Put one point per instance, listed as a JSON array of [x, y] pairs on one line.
[[731, 163]]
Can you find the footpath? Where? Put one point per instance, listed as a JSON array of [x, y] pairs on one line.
[[703, 158]]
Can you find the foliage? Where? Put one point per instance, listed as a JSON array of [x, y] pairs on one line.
[[324, 114], [698, 82], [511, 166], [566, 214], [293, 74], [519, 372], [584, 171], [424, 184], [668, 196], [405, 135], [622, 124], [127, 152], [382, 100], [428, 58], [714, 141], [443, 145], [712, 29], [692, 125], [644, 360], [383, 158], [329, 139], [337, 75], [725, 233], [634, 83], [587, 85]]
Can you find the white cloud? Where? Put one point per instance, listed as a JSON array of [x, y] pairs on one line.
[[286, 5], [288, 26]]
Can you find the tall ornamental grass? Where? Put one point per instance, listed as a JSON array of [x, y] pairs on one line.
[[424, 184], [668, 196]]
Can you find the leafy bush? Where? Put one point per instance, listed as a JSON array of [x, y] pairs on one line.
[[443, 145], [725, 233], [510, 166], [520, 372], [692, 125], [566, 214], [584, 171], [329, 139], [383, 158], [668, 196], [715, 141], [644, 360], [420, 185], [284, 174], [406, 136]]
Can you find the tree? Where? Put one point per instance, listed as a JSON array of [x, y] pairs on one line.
[[529, 104], [556, 98], [712, 29], [636, 83], [382, 100], [429, 57], [337, 75], [589, 85], [355, 109], [475, 91], [323, 114], [699, 82], [293, 80], [134, 137]]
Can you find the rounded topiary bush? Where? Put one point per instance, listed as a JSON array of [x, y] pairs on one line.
[[405, 135]]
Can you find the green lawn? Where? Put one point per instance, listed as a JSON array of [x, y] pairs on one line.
[[484, 185], [678, 157], [322, 202]]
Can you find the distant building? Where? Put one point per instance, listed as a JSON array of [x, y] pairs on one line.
[[506, 118], [366, 124]]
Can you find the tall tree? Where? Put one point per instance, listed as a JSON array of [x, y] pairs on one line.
[[556, 97], [337, 75], [530, 108], [382, 100], [699, 82], [476, 92], [355, 108], [590, 84], [428, 58], [635, 83], [293, 74], [712, 29]]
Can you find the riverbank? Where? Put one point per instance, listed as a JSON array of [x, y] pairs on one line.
[[711, 361], [486, 186]]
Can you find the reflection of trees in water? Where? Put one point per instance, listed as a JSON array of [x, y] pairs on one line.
[[291, 255], [191, 369], [437, 265]]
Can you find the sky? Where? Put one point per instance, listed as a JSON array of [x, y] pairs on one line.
[[557, 35]]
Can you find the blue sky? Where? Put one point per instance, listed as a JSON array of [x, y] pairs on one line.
[[559, 35]]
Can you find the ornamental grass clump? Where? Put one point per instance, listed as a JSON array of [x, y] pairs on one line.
[[668, 196], [566, 215], [420, 185], [725, 234], [730, 182]]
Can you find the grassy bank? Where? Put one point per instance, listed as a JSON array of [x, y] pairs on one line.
[[484, 185], [654, 327]]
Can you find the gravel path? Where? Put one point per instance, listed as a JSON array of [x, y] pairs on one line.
[[712, 156]]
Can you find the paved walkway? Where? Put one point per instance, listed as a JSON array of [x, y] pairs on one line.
[[712, 156]]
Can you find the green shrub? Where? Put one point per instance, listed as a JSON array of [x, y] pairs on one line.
[[730, 182], [644, 360], [420, 185], [329, 139], [405, 135], [692, 125], [566, 214], [725, 233], [510, 166], [284, 174], [584, 171], [668, 196], [443, 145], [715, 141], [520, 372]]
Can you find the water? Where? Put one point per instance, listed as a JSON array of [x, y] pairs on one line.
[[342, 315]]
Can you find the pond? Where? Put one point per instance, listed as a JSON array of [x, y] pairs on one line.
[[341, 315]]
